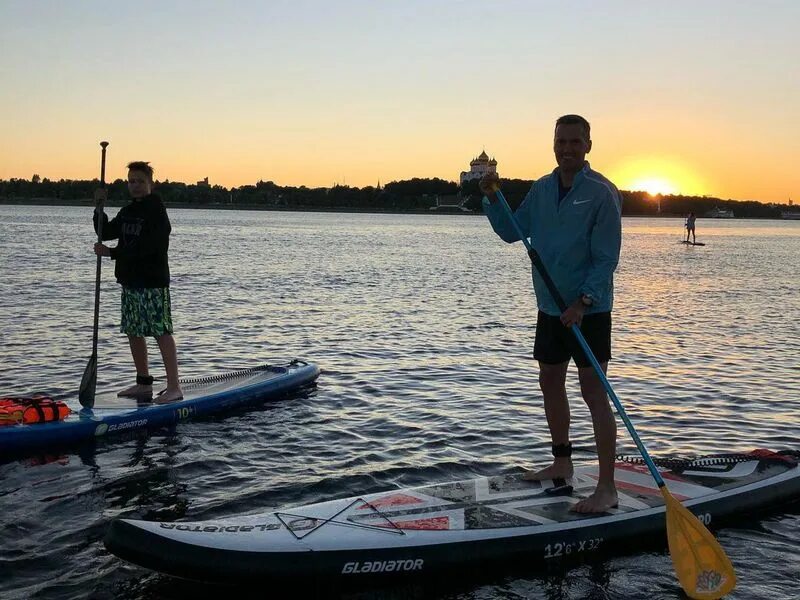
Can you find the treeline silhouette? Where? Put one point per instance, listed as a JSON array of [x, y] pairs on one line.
[[412, 195]]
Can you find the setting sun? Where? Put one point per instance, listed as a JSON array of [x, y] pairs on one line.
[[657, 176], [654, 186]]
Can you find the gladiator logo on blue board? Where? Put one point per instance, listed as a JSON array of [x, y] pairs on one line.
[[127, 425], [104, 428], [383, 566]]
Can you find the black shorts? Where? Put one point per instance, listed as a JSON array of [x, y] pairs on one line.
[[556, 344]]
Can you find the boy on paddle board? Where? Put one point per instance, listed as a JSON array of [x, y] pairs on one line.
[[573, 217], [142, 228]]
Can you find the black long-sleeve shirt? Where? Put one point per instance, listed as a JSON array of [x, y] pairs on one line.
[[143, 229]]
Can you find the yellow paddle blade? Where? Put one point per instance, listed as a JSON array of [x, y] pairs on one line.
[[703, 569]]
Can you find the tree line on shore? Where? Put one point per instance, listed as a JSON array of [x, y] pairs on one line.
[[412, 195]]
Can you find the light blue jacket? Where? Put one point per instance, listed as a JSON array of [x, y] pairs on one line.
[[578, 240]]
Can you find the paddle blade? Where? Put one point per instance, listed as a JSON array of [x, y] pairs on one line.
[[703, 569], [88, 383]]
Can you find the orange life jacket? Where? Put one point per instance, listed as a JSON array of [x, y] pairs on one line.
[[31, 409]]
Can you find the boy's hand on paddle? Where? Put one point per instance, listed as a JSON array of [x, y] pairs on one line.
[[102, 249], [100, 197], [489, 184]]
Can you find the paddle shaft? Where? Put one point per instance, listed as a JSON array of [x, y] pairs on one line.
[[562, 306], [100, 220]]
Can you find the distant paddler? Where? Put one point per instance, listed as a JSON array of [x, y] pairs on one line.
[[690, 227]]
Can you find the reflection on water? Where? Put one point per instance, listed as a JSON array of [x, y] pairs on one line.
[[423, 327]]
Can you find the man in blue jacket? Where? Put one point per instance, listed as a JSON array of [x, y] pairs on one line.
[[573, 219]]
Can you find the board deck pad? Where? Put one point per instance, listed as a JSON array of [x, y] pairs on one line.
[[510, 501], [192, 389]]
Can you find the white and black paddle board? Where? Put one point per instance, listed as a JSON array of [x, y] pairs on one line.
[[451, 525]]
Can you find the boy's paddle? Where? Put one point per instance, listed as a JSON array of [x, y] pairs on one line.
[[703, 569], [89, 379]]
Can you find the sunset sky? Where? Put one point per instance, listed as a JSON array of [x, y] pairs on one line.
[[692, 97]]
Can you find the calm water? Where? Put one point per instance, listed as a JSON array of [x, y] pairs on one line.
[[423, 328]]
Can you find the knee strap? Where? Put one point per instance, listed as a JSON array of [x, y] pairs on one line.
[[144, 379], [562, 450]]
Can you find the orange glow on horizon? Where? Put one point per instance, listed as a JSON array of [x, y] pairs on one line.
[[654, 186], [656, 175]]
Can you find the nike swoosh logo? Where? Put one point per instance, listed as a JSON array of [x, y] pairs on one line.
[[582, 201]]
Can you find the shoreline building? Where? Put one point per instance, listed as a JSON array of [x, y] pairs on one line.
[[720, 213], [791, 213], [478, 167]]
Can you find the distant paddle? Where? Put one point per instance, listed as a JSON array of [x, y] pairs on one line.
[[89, 379], [703, 569]]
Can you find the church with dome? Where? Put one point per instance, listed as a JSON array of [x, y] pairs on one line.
[[478, 167]]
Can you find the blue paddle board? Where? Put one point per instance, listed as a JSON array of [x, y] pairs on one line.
[[202, 396]]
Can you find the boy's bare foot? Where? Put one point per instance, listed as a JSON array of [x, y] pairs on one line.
[[169, 395], [602, 500], [135, 391], [561, 468]]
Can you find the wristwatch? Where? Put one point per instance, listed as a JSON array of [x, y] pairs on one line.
[[587, 300]]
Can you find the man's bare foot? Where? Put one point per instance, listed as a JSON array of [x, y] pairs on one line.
[[603, 499], [561, 468], [169, 395], [135, 391]]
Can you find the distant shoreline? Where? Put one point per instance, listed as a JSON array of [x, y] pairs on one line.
[[217, 206], [88, 202]]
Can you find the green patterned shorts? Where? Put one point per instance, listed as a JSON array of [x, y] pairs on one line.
[[146, 312]]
